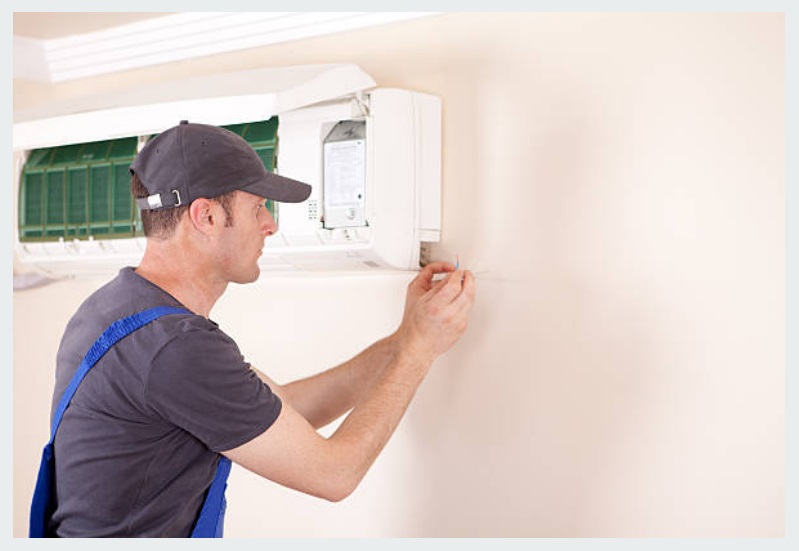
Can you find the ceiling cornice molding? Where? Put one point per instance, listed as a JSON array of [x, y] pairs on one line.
[[30, 60], [179, 37]]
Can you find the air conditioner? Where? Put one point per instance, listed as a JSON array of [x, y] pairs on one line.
[[372, 156]]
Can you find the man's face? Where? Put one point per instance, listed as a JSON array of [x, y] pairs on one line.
[[242, 238]]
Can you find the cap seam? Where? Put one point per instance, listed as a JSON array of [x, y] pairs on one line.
[[185, 169]]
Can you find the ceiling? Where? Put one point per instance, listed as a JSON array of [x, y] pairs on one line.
[[55, 47], [46, 25]]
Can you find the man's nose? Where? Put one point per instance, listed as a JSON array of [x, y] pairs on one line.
[[268, 225]]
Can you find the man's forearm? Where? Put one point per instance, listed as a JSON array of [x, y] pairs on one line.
[[293, 454], [325, 397], [369, 426]]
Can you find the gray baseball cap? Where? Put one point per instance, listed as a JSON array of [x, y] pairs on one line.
[[192, 160]]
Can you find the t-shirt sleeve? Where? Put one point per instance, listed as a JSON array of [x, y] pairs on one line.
[[200, 382]]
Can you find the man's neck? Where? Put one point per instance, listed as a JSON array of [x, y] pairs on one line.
[[181, 273]]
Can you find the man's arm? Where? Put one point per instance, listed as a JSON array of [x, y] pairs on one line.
[[326, 396], [293, 454]]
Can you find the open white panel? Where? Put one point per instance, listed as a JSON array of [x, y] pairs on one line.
[[220, 99]]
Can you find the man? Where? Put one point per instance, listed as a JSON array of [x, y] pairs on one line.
[[168, 404]]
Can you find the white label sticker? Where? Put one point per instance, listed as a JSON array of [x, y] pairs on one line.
[[345, 173]]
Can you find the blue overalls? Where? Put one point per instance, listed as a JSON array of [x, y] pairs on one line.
[[209, 523]]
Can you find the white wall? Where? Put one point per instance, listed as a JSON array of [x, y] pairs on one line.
[[617, 181]]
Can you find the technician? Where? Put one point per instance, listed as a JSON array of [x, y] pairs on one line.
[[143, 444]]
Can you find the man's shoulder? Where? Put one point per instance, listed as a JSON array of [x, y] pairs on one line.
[[125, 295]]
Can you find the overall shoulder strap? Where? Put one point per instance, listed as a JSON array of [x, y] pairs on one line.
[[115, 332]]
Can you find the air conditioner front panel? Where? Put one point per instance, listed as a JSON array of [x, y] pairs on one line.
[[403, 149]]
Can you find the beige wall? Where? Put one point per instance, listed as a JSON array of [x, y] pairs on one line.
[[617, 181]]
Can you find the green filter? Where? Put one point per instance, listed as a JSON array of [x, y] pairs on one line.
[[82, 190], [77, 190]]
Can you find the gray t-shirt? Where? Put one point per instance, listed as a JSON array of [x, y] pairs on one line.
[[138, 446]]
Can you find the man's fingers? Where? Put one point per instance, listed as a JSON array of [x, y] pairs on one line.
[[466, 296], [436, 268], [448, 288], [440, 267], [425, 277], [440, 316], [437, 285]]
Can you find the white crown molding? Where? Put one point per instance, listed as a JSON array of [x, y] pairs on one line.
[[179, 37], [29, 60]]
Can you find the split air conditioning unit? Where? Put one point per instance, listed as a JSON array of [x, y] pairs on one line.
[[372, 156]]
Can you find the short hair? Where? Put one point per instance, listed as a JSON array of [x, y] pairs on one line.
[[161, 223]]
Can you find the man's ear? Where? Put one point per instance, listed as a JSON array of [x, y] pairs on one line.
[[202, 215]]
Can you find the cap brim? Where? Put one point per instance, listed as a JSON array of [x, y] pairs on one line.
[[281, 189]]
